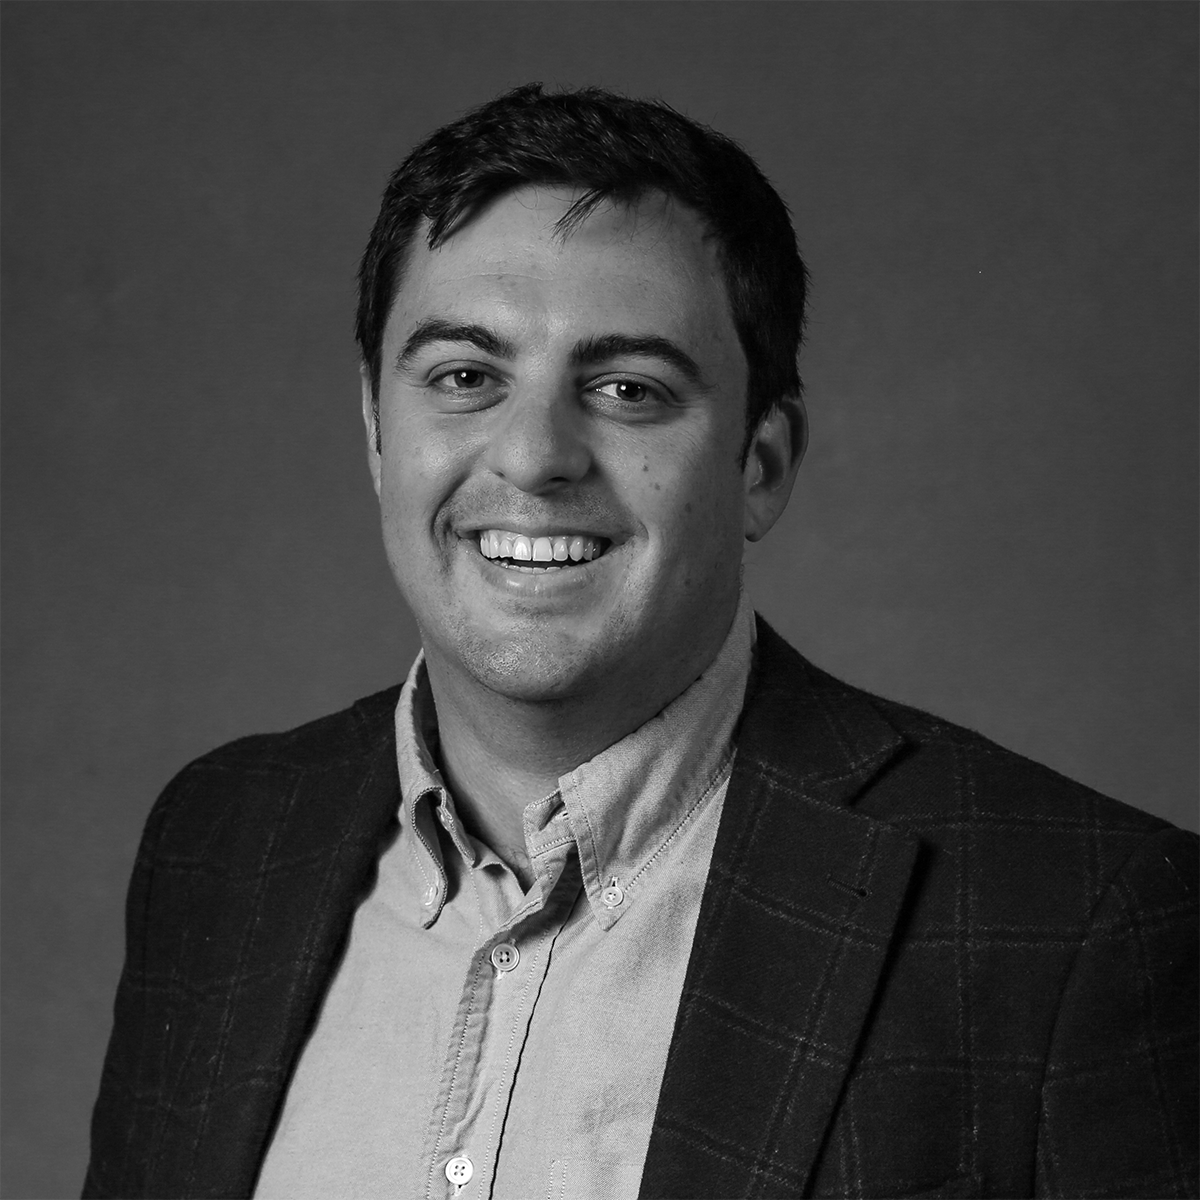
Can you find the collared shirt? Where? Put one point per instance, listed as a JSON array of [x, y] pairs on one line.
[[479, 1040]]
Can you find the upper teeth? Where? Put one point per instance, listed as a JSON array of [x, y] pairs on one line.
[[499, 543]]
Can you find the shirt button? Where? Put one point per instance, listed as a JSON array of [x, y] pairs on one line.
[[612, 896], [459, 1170], [429, 899], [505, 956]]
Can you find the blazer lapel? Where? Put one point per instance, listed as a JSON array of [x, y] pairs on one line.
[[299, 856], [802, 896]]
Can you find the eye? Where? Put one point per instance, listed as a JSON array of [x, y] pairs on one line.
[[465, 388], [629, 391], [463, 379]]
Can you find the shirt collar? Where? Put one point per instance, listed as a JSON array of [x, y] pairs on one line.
[[425, 799], [623, 808], [626, 805]]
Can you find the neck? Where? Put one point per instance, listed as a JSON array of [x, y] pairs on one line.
[[500, 753]]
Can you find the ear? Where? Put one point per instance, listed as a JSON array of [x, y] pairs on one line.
[[371, 421], [771, 465]]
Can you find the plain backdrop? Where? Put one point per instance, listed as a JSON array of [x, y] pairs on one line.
[[996, 520]]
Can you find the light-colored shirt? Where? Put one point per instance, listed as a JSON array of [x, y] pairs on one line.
[[479, 1040]]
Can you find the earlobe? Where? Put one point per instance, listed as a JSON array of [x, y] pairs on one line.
[[771, 465], [370, 415]]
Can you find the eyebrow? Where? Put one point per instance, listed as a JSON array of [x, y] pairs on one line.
[[436, 329], [587, 353], [594, 350]]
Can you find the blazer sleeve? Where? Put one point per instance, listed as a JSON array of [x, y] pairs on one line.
[[1119, 1112], [125, 1106]]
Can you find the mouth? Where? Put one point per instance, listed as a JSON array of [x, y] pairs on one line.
[[552, 552]]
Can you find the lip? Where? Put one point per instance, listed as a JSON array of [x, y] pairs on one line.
[[559, 529]]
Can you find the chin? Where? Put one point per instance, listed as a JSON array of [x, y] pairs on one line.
[[539, 671]]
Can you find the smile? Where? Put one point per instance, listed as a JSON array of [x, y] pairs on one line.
[[555, 552]]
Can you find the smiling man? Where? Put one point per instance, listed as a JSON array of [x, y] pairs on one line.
[[618, 895], [556, 437]]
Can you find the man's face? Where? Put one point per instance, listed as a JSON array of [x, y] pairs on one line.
[[560, 422]]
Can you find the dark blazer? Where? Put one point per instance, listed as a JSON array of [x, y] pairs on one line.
[[923, 965]]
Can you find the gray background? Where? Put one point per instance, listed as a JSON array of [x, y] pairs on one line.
[[997, 519]]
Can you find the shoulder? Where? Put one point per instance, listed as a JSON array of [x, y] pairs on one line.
[[244, 786], [987, 781], [319, 744], [1036, 834], [972, 803]]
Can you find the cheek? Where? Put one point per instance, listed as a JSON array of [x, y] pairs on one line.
[[421, 466], [694, 506]]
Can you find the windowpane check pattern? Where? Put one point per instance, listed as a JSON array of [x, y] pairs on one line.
[[922, 965]]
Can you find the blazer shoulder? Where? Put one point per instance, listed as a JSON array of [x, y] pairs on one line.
[[243, 783], [324, 742], [1007, 783], [944, 771], [1025, 848]]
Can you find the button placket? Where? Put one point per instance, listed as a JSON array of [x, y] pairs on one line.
[[469, 1066]]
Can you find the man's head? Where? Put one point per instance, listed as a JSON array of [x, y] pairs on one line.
[[607, 147], [555, 389]]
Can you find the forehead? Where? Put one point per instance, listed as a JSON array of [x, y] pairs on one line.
[[649, 267]]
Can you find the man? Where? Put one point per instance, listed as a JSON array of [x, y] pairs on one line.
[[618, 895]]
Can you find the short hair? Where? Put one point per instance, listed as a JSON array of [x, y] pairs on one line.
[[616, 149]]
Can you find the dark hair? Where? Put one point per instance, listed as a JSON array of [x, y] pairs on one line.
[[615, 149]]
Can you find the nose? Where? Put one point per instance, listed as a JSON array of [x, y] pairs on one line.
[[538, 442]]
